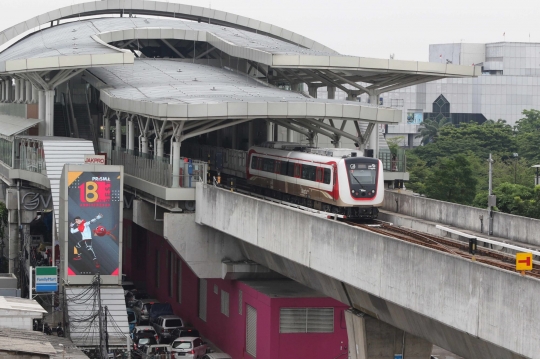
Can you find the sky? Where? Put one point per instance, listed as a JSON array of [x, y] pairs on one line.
[[376, 28]]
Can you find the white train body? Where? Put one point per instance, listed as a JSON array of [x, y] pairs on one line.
[[333, 180]]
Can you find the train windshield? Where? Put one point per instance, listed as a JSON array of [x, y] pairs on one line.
[[363, 173]]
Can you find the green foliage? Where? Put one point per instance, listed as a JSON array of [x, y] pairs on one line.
[[429, 130], [393, 144], [452, 180], [418, 172]]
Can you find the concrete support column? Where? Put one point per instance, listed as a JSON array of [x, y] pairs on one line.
[[290, 135], [159, 148], [251, 135], [144, 144], [269, 131], [22, 91], [49, 113], [35, 94], [131, 135], [176, 164], [2, 91], [41, 113], [9, 85], [118, 134], [106, 127], [374, 137], [370, 338], [312, 91], [17, 90], [331, 92], [28, 89]]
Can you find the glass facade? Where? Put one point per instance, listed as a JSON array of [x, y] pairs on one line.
[[6, 151]]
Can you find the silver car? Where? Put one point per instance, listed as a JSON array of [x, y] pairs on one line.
[[189, 348]]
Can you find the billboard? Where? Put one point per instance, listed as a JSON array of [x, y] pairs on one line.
[[92, 239], [415, 118]]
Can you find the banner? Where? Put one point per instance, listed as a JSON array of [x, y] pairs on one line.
[[94, 211]]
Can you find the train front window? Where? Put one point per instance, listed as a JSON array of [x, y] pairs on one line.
[[363, 174]]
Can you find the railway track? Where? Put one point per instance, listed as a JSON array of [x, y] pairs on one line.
[[448, 245]]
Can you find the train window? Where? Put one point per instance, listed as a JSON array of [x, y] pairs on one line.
[[327, 175], [283, 169], [268, 165], [259, 163], [254, 162], [277, 166], [308, 172], [297, 170], [290, 169], [319, 175]]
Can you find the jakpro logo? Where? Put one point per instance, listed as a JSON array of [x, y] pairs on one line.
[[352, 166]]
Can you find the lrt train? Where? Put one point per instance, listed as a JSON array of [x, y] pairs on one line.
[[336, 180]]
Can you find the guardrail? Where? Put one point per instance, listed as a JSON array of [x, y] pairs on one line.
[[158, 171]]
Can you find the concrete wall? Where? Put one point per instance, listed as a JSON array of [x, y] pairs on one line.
[[466, 307], [516, 228]]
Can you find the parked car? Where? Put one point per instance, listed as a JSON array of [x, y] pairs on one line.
[[184, 332], [144, 329], [153, 351], [142, 340], [159, 309], [217, 356], [142, 308], [189, 348], [165, 325], [132, 318]]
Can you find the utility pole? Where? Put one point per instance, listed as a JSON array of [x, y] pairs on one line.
[[491, 198]]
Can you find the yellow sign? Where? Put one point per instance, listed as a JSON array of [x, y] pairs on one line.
[[524, 261]]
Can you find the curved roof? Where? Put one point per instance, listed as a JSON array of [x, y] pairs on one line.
[[160, 8], [178, 90]]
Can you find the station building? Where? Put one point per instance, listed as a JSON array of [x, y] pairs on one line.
[[160, 89]]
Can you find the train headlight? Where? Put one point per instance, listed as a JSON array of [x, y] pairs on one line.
[[352, 191], [372, 191]]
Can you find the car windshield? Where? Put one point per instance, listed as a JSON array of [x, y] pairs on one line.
[[181, 345], [173, 323], [150, 331], [144, 341], [131, 317]]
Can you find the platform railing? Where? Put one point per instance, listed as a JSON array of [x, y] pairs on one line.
[[158, 171], [393, 161]]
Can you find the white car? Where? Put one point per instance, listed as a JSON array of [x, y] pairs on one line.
[[189, 348], [143, 329], [217, 356]]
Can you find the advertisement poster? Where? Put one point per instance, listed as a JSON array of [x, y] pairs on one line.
[[93, 223], [415, 118]]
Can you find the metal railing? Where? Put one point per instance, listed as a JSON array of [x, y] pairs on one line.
[[232, 159], [158, 171], [31, 155], [393, 162]]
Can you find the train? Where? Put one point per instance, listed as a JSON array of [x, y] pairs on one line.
[[335, 180]]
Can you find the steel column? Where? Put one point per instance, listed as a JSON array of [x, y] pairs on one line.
[[118, 132], [269, 133], [131, 135], [106, 127], [28, 89], [35, 94], [176, 164], [49, 113], [159, 148]]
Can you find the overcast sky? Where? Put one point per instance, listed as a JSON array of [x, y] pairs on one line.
[[374, 28]]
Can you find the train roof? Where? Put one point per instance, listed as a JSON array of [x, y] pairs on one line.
[[298, 151]]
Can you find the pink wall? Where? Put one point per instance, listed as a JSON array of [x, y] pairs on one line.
[[228, 333]]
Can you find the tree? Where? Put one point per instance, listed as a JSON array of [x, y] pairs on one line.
[[528, 136], [452, 180], [418, 173], [429, 129]]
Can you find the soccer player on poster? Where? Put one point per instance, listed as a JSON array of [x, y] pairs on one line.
[[83, 227]]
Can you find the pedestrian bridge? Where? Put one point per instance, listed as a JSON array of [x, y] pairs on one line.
[[471, 309]]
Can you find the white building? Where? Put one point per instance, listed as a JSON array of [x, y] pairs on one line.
[[510, 83]]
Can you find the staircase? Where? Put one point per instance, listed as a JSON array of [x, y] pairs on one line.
[[61, 127]]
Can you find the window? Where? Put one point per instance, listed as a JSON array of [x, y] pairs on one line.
[[268, 165], [308, 172], [290, 169], [254, 161], [277, 166], [240, 302], [319, 174], [363, 174], [297, 170], [157, 268], [202, 298], [283, 169], [306, 320], [224, 303], [179, 280], [216, 289], [327, 175], [251, 331]]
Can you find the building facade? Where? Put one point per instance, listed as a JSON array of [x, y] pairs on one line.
[[509, 84]]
